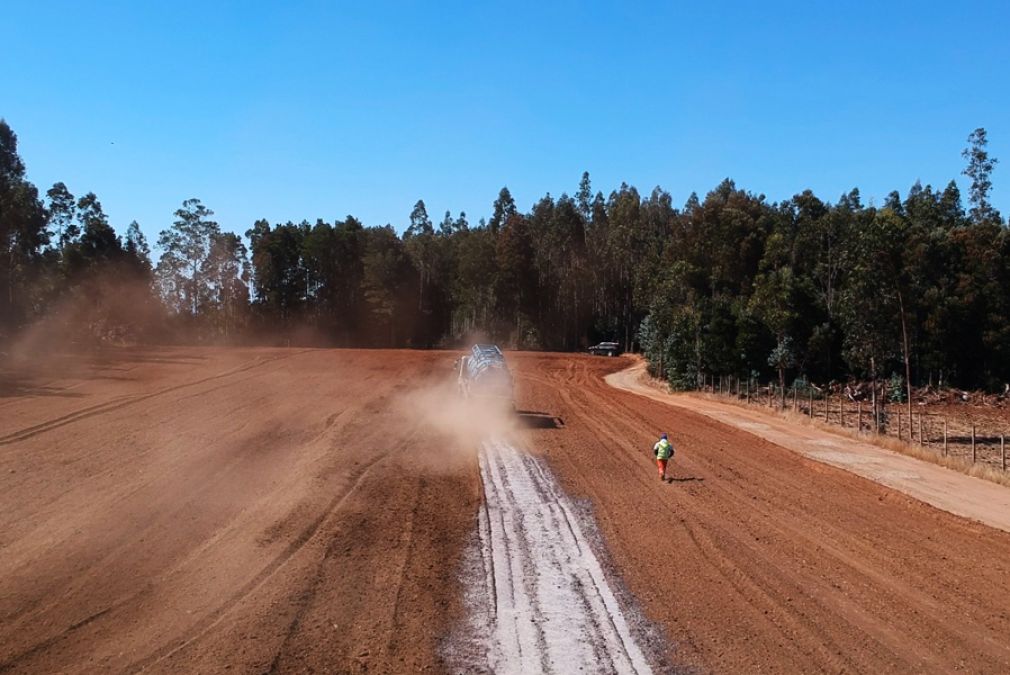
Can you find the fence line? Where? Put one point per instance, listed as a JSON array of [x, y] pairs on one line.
[[935, 431]]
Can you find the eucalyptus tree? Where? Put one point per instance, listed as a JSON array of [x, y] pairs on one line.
[[979, 170], [185, 249]]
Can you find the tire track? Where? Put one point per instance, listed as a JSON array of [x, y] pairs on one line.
[[766, 596], [864, 559], [816, 570], [195, 546], [124, 401], [554, 611], [213, 618], [309, 595], [762, 594], [210, 620]]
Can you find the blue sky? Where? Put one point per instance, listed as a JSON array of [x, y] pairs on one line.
[[292, 110]]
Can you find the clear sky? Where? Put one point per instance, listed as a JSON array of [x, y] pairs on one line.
[[292, 110]]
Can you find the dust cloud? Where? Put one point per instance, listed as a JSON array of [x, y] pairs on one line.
[[458, 424], [105, 312]]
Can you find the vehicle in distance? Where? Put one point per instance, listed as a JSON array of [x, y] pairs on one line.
[[483, 374], [606, 349]]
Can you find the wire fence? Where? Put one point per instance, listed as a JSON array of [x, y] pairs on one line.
[[981, 441]]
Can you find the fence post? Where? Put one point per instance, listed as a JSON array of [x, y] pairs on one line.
[[748, 390], [841, 410], [859, 417], [810, 402], [899, 423], [1002, 451], [944, 435], [920, 428], [795, 394], [973, 443]]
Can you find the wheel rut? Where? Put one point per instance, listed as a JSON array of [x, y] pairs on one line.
[[121, 402], [551, 606]]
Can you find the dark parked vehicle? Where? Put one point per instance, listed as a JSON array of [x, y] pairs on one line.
[[606, 349]]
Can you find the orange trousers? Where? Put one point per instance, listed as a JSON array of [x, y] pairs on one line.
[[661, 463]]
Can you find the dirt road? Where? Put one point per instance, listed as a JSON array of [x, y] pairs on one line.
[[296, 511], [951, 491]]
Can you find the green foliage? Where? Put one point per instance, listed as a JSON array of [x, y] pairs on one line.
[[224, 295], [186, 246], [803, 387], [504, 208], [727, 284], [783, 357], [979, 169], [281, 283], [23, 233], [385, 268], [896, 388], [62, 211]]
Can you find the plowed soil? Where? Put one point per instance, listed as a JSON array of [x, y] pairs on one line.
[[756, 559], [255, 510]]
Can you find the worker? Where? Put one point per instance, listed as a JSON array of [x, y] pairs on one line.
[[663, 450]]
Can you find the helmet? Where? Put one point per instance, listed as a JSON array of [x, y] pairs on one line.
[[663, 435]]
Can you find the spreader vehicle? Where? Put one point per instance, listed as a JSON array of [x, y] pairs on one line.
[[483, 374]]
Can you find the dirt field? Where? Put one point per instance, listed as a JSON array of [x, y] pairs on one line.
[[755, 559], [294, 511], [269, 511]]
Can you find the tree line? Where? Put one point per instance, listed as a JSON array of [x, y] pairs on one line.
[[731, 284]]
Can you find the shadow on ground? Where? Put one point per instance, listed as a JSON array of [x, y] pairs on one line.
[[532, 419], [12, 386]]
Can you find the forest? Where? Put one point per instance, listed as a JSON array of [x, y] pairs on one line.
[[917, 287]]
